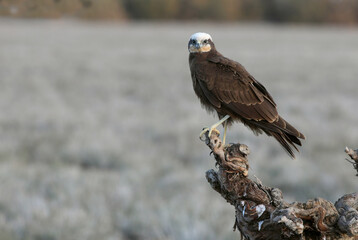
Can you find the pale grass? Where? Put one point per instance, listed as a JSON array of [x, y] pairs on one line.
[[99, 125]]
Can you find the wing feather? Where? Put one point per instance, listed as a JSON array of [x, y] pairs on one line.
[[210, 95], [230, 84]]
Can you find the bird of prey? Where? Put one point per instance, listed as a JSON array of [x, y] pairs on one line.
[[225, 86]]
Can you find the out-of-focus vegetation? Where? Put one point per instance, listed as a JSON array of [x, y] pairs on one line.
[[104, 9], [304, 11], [99, 126]]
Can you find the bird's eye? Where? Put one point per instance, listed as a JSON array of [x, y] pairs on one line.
[[194, 41], [205, 41]]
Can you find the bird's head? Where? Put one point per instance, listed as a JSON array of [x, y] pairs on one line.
[[200, 42]]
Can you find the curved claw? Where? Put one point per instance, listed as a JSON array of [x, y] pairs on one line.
[[210, 130], [213, 127], [203, 133]]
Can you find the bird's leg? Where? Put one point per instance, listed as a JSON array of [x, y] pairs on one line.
[[225, 129], [210, 129]]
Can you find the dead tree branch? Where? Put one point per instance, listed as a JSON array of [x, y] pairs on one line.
[[261, 212], [354, 156]]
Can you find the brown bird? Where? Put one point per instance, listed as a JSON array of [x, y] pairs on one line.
[[224, 86]]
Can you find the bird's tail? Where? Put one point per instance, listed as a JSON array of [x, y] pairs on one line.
[[288, 136]]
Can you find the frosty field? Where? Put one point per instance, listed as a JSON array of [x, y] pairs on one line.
[[99, 125]]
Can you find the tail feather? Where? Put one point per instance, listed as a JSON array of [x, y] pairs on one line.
[[285, 143], [294, 139], [288, 128], [283, 132], [287, 136]]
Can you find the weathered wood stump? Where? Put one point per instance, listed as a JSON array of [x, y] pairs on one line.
[[261, 212]]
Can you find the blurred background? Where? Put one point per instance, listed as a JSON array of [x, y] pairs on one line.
[[99, 126]]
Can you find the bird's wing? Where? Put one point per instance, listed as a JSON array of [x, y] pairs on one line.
[[229, 84]]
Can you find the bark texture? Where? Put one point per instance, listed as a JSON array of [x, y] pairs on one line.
[[261, 212]]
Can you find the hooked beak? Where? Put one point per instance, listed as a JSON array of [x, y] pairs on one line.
[[198, 45]]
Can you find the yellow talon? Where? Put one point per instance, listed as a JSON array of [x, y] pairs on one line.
[[213, 127], [225, 129]]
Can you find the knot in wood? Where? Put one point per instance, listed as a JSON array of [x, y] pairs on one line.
[[235, 160]]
